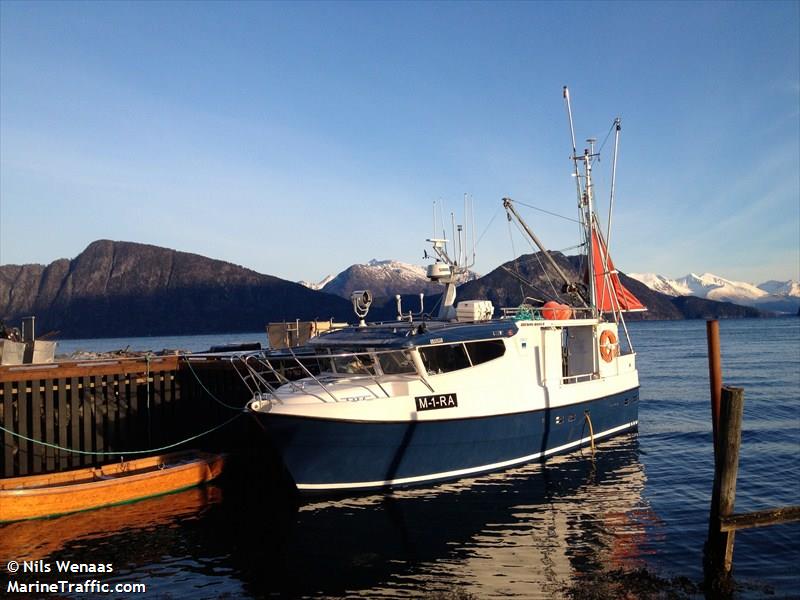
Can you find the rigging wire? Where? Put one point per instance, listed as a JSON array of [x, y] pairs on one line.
[[538, 259], [486, 229], [614, 122], [546, 211], [575, 247]]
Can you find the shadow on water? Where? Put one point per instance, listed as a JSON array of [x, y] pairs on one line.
[[535, 530], [573, 527]]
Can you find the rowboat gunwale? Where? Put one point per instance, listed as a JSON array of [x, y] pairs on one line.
[[37, 496]]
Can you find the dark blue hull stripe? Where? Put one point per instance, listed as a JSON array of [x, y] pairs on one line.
[[326, 455]]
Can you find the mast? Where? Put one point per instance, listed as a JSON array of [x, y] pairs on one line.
[[585, 197], [448, 269], [589, 202], [617, 127]]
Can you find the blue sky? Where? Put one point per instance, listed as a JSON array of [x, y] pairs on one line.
[[299, 138]]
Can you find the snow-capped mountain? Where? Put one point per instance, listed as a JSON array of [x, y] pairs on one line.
[[317, 286], [781, 288], [383, 278], [659, 283], [771, 295]]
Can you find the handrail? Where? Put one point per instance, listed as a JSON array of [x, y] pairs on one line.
[[310, 374], [262, 358]]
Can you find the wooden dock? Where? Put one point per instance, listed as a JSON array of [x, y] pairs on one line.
[[71, 414]]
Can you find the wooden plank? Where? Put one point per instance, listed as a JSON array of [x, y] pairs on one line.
[[75, 421], [134, 416], [760, 518], [88, 408], [9, 441], [37, 411], [23, 455], [167, 409], [169, 406], [115, 404], [156, 410], [49, 425], [80, 368], [63, 424], [99, 409], [126, 415]]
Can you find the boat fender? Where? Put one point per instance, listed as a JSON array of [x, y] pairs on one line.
[[608, 345], [259, 405]]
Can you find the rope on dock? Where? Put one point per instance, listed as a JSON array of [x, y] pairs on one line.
[[205, 389], [124, 452]]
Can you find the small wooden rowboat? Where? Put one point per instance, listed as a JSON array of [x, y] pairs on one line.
[[54, 494]]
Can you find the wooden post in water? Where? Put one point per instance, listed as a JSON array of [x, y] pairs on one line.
[[714, 375], [715, 380], [730, 438], [719, 548]]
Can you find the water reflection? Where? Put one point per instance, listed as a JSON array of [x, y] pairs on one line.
[[522, 532], [533, 531], [40, 538]]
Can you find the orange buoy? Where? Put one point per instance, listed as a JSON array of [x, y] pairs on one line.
[[556, 312], [608, 345]]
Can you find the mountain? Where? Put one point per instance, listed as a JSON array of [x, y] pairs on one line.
[[781, 296], [384, 278], [781, 288], [506, 289], [659, 283], [129, 289], [124, 289], [316, 286]]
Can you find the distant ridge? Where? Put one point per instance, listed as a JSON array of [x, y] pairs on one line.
[[782, 296], [503, 289], [128, 289], [384, 278]]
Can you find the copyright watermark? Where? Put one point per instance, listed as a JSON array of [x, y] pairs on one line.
[[64, 586]]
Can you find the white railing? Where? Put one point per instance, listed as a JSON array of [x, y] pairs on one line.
[[255, 367]]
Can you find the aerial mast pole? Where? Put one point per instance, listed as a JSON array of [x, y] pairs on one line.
[[617, 127], [584, 200], [587, 168]]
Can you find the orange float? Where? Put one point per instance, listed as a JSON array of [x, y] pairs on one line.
[[554, 311]]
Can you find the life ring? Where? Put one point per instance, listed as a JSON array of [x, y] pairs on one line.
[[608, 345]]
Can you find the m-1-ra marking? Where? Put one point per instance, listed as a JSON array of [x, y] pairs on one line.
[[436, 401]]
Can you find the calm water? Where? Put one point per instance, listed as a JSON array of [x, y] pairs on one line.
[[570, 528]]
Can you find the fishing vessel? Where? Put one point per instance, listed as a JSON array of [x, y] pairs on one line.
[[430, 398]]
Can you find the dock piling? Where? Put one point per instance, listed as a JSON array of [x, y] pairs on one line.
[[714, 374], [727, 468], [727, 408]]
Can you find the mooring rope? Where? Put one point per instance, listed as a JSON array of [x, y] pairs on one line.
[[124, 452], [591, 429], [205, 389]]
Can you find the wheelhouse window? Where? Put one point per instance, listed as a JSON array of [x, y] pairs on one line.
[[481, 352], [443, 359], [396, 363], [349, 364]]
